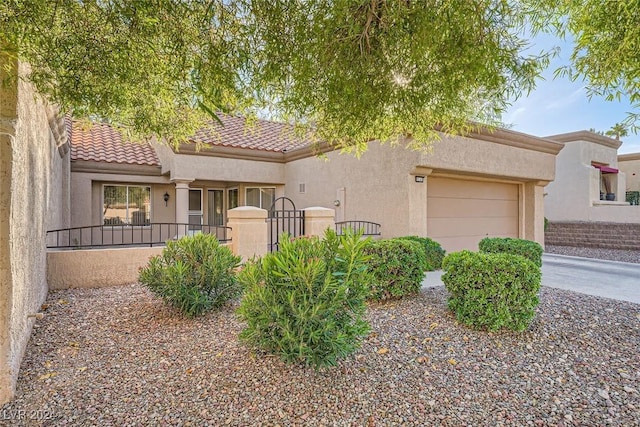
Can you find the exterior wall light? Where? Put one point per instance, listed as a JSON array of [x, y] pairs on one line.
[[166, 199], [336, 202], [419, 178]]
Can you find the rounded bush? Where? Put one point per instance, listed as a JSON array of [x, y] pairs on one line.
[[526, 248], [492, 291], [306, 302], [397, 266], [433, 252], [193, 274]]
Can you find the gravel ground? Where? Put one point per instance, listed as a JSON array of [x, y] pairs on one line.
[[598, 253], [118, 356]]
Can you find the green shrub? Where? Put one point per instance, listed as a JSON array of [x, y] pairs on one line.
[[526, 248], [433, 252], [306, 302], [397, 266], [193, 274], [492, 291]]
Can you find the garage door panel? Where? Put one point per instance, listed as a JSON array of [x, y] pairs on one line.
[[461, 212], [455, 227], [470, 208], [465, 189]]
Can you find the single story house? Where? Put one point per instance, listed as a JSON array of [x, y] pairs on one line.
[[629, 164], [590, 183], [489, 183]]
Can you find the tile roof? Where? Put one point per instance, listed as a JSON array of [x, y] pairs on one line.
[[100, 142], [261, 135]]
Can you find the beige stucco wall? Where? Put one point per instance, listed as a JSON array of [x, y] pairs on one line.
[[630, 165], [92, 268], [33, 199], [203, 167], [575, 193], [380, 186]]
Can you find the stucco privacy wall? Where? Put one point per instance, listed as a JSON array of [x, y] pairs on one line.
[[94, 268], [381, 186], [33, 189]]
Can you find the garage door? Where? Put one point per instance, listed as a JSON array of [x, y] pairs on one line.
[[462, 212]]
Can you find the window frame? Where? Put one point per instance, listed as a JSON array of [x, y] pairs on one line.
[[246, 189], [126, 186]]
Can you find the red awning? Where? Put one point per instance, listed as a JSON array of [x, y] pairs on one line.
[[606, 169]]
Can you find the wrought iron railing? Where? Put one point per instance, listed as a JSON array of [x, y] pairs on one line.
[[368, 228], [129, 235]]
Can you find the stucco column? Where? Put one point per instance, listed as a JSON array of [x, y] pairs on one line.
[[317, 220], [417, 183], [182, 200], [249, 234], [533, 217]]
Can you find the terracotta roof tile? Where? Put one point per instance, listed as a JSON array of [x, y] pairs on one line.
[[99, 142], [262, 135], [102, 143]]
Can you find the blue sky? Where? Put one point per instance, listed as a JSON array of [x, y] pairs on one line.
[[560, 105]]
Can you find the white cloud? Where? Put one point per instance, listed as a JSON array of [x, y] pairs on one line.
[[575, 96]]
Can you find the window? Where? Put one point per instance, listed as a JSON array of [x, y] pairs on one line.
[[126, 205], [260, 197], [233, 198]]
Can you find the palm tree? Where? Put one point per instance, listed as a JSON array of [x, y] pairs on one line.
[[617, 131]]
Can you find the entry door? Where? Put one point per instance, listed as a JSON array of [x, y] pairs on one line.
[[215, 207], [195, 209]]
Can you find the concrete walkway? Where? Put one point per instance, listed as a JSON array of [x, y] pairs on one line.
[[610, 279]]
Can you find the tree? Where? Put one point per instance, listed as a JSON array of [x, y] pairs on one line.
[[617, 131], [352, 71], [606, 52]]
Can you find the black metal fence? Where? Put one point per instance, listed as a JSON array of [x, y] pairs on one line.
[[129, 235], [368, 228], [284, 218]]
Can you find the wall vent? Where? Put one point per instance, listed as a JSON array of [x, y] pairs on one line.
[[302, 188]]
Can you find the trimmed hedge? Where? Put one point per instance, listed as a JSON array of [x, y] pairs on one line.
[[397, 266], [492, 291], [526, 248], [193, 274], [306, 303], [433, 252]]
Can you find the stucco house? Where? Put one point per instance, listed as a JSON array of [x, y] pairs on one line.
[[489, 183], [629, 164], [591, 181]]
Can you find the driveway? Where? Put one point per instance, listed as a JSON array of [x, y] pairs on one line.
[[610, 279]]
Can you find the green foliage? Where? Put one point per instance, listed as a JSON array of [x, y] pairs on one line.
[[397, 266], [546, 223], [605, 51], [433, 252], [526, 248], [492, 291], [306, 302], [193, 274], [633, 197], [163, 67]]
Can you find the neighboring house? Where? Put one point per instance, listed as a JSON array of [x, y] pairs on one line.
[[589, 186], [630, 165], [461, 190]]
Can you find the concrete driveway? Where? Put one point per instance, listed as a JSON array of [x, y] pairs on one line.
[[610, 279]]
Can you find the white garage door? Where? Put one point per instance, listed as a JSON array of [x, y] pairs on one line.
[[462, 212]]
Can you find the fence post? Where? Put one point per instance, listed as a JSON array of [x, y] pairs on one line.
[[317, 220], [249, 235]]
